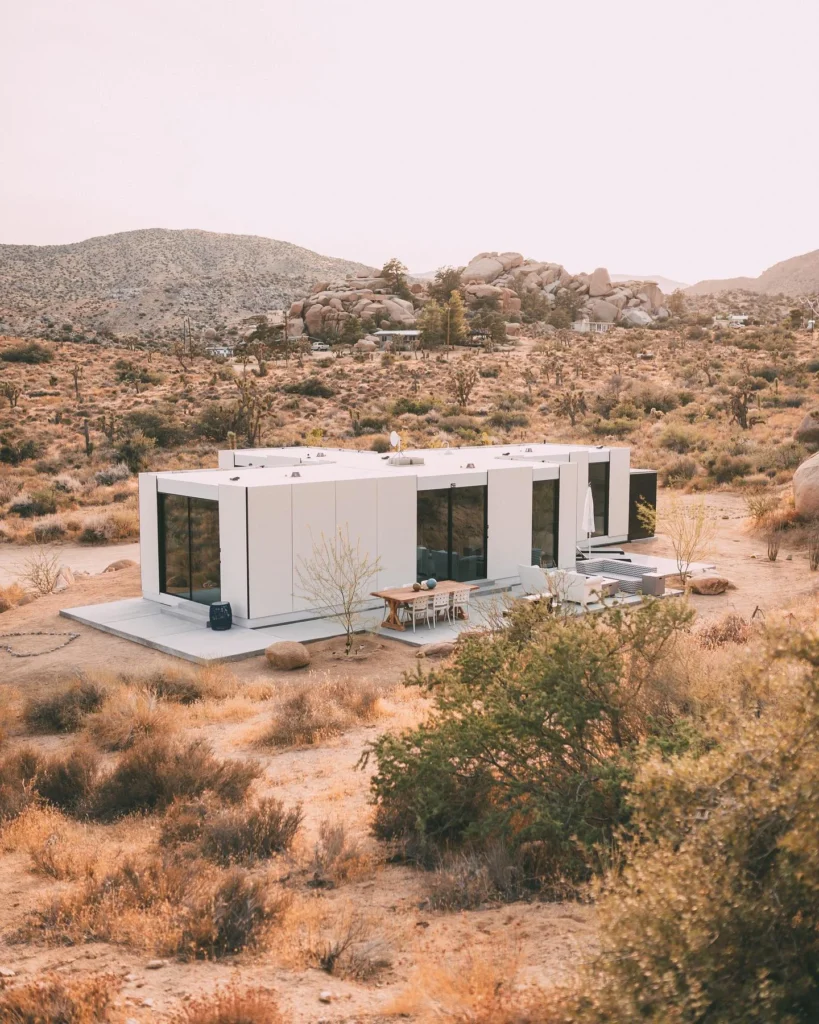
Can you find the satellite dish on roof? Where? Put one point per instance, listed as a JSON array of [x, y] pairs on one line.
[[395, 439]]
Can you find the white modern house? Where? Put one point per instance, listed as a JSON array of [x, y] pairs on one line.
[[239, 533]]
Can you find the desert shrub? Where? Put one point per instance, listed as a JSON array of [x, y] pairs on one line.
[[491, 372], [336, 855], [127, 718], [229, 835], [504, 420], [316, 711], [312, 387], [725, 468], [56, 999], [17, 773], [231, 1005], [562, 704], [678, 471], [40, 503], [67, 484], [414, 406], [730, 629], [69, 782], [716, 916], [121, 524], [466, 879], [28, 352], [174, 686], [648, 397], [15, 450], [155, 772], [64, 711], [380, 444], [160, 424], [213, 913], [134, 449], [678, 439], [49, 530], [114, 474], [10, 597]]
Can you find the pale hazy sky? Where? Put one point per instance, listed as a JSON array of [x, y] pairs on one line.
[[648, 136]]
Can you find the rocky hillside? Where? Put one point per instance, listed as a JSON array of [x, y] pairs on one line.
[[507, 279], [796, 276], [146, 282]]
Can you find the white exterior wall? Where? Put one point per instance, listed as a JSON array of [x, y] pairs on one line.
[[509, 518], [271, 543], [148, 535], [619, 467], [397, 531], [233, 517], [567, 515], [581, 460], [314, 514]]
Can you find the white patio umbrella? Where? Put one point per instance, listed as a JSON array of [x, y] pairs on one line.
[[588, 516]]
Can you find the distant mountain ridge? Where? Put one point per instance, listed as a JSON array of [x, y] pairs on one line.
[[147, 281], [796, 276]]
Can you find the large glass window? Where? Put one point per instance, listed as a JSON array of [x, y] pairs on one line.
[[189, 555], [452, 534], [545, 505], [599, 482]]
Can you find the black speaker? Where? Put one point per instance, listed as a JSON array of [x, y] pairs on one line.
[[221, 615]]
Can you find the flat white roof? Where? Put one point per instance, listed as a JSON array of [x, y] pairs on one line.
[[264, 467]]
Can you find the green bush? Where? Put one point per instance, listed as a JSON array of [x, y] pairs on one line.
[[13, 451], [29, 352], [678, 439], [725, 468], [415, 406], [508, 420], [312, 387], [716, 917], [156, 424], [532, 737]]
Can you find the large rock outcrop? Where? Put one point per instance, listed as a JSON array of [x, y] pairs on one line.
[[806, 488]]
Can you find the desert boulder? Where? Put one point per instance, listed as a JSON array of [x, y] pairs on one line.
[[287, 655]]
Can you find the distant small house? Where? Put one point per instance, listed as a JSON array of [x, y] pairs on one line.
[[591, 326], [397, 339], [732, 320]]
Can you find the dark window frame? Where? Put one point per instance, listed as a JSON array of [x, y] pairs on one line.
[[607, 490], [162, 537], [556, 482], [448, 491]]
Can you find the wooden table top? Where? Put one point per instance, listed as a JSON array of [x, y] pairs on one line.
[[408, 594]]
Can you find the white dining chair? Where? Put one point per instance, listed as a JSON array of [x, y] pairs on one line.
[[440, 603], [417, 609], [460, 602]]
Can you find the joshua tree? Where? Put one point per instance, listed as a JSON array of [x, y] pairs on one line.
[[572, 404], [462, 379]]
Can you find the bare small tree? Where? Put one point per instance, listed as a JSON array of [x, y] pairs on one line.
[[335, 579], [40, 572], [462, 380], [690, 528], [11, 391]]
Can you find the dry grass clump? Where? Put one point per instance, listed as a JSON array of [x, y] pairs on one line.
[[730, 629], [232, 1005], [337, 857], [129, 717], [66, 710], [59, 847], [58, 1000], [464, 880], [229, 835], [10, 597], [121, 524], [173, 906], [337, 938], [155, 772], [316, 711]]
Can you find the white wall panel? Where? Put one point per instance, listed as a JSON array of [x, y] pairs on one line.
[[458, 478], [271, 546], [233, 545], [226, 458], [148, 534], [567, 532], [397, 531], [187, 487], [619, 466], [314, 514], [509, 518], [357, 514], [581, 460]]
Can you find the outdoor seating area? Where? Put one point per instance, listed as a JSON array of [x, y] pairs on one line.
[[564, 585], [631, 577], [447, 601]]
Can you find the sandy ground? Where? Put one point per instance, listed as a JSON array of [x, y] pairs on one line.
[[542, 941], [78, 557]]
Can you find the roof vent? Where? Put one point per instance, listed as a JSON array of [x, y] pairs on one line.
[[319, 455], [234, 478], [527, 449], [470, 465], [295, 473]]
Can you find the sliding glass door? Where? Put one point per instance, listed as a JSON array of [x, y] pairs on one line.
[[599, 483], [452, 534], [545, 512], [189, 554]]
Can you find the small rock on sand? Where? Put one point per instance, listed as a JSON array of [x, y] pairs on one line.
[[709, 585]]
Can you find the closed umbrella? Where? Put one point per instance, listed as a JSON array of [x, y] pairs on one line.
[[588, 516]]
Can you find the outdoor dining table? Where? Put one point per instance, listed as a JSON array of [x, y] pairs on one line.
[[397, 596]]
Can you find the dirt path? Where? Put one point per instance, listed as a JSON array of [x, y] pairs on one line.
[[79, 557]]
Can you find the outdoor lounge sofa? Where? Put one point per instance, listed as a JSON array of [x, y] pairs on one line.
[[632, 577], [564, 585]]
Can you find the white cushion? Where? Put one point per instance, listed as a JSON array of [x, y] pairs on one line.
[[533, 579]]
